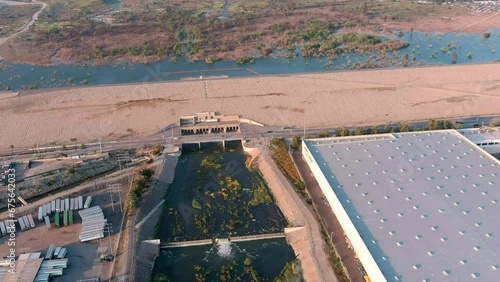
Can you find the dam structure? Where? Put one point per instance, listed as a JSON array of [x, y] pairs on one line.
[[215, 241]]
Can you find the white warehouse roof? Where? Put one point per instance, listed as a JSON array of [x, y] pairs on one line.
[[426, 204]]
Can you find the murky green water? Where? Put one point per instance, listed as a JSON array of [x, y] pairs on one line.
[[218, 202], [223, 209], [268, 259]]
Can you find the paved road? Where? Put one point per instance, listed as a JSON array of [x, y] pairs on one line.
[[331, 222], [247, 131]]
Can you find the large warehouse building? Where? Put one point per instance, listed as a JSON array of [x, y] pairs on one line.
[[420, 206]]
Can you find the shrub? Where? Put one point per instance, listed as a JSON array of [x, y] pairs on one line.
[[296, 141], [324, 133], [343, 131], [284, 161], [495, 123]]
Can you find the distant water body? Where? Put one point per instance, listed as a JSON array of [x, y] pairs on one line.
[[427, 48]]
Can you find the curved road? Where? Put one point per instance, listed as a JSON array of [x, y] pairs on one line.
[[30, 23]]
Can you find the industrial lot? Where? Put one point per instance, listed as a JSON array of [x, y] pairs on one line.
[[409, 204]]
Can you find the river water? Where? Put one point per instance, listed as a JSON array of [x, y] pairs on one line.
[[268, 257], [180, 220], [428, 49]]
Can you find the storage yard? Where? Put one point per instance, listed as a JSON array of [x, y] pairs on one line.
[[56, 234]]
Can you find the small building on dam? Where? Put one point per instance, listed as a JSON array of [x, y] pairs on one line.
[[209, 122]]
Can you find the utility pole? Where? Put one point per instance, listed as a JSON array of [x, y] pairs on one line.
[[115, 188], [100, 243], [122, 158], [108, 228]]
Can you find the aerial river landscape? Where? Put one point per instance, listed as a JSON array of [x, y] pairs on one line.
[[192, 128]]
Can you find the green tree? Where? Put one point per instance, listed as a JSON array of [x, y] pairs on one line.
[[359, 130], [147, 173], [374, 130], [495, 123], [160, 277], [448, 124], [296, 141], [404, 127], [388, 129], [342, 131], [324, 133], [432, 124]]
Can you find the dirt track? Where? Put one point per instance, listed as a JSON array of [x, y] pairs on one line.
[[30, 23]]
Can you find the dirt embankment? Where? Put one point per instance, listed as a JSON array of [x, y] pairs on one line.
[[305, 239]]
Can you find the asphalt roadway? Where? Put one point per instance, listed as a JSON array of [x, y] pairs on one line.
[[173, 137]]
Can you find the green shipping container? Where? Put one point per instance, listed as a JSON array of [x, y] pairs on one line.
[[70, 217], [56, 219], [65, 218]]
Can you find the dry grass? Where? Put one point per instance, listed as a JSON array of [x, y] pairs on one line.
[[79, 31], [14, 18]]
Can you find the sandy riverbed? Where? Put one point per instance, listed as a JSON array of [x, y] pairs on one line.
[[326, 99]]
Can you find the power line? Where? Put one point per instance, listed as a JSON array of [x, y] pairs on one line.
[[115, 188]]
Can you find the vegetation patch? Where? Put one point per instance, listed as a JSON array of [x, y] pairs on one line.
[[139, 184], [260, 193], [291, 272], [285, 163]]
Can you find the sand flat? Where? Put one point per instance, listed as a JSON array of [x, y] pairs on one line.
[[323, 99]]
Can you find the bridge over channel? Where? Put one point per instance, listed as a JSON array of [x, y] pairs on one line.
[[222, 240]]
